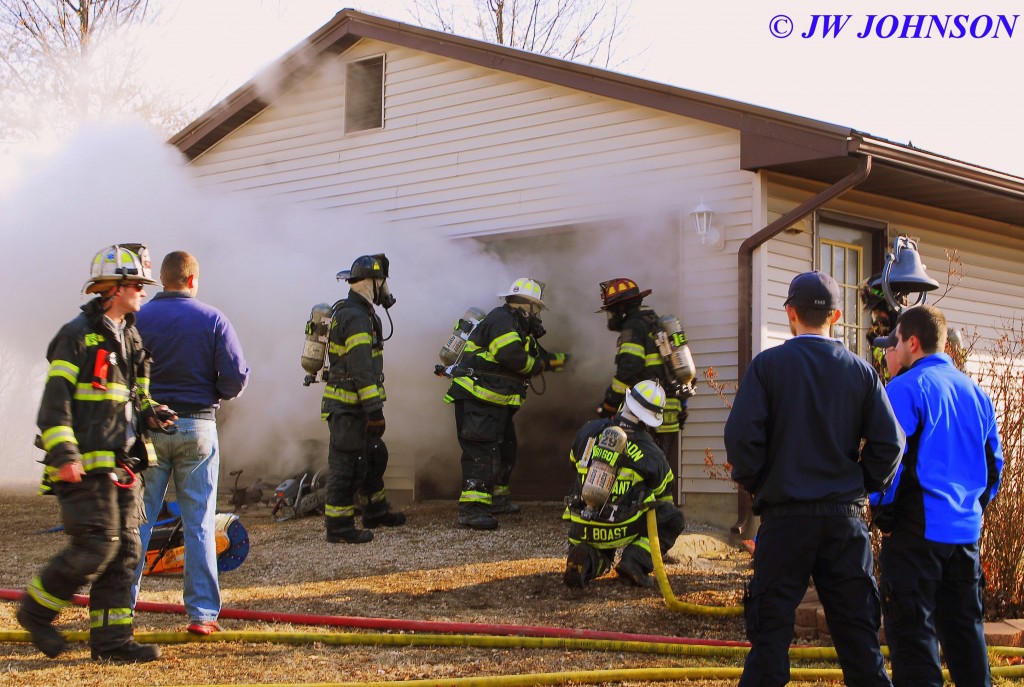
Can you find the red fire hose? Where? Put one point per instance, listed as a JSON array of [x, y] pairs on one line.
[[408, 625]]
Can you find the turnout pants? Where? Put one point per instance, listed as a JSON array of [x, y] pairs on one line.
[[487, 437], [932, 595], [356, 465], [102, 519], [836, 551]]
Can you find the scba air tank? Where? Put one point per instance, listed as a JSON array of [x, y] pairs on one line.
[[672, 346], [452, 351], [602, 471], [314, 348]]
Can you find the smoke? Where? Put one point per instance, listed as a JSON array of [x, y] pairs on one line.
[[266, 266]]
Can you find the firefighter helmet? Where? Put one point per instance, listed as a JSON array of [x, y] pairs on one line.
[[646, 400], [126, 262], [366, 267], [620, 291], [526, 290]]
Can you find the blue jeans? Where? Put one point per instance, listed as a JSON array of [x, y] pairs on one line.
[[192, 455]]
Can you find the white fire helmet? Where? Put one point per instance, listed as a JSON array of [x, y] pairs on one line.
[[525, 290], [646, 400], [128, 262]]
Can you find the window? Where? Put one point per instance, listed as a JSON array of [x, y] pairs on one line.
[[364, 95], [845, 262], [850, 249]]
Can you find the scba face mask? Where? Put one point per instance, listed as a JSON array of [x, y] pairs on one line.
[[382, 295]]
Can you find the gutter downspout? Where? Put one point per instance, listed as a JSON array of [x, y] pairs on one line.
[[745, 297]]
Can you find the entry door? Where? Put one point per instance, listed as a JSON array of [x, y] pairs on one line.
[[845, 251]]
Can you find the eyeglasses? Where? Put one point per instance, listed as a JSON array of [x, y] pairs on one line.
[[138, 286]]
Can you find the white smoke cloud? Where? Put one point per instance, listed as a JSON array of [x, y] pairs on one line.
[[265, 267]]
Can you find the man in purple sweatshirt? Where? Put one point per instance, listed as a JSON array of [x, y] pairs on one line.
[[197, 363]]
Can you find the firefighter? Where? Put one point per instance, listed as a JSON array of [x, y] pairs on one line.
[[637, 358], [353, 405], [500, 358], [617, 485], [94, 421], [883, 317]]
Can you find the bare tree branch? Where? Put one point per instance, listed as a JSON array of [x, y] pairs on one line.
[[579, 30], [64, 60]]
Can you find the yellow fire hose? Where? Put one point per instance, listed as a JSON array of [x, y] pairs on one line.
[[671, 601], [495, 641]]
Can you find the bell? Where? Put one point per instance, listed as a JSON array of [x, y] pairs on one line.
[[904, 274]]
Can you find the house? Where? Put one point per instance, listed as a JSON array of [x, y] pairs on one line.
[[590, 175]]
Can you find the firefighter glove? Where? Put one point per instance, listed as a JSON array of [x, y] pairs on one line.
[[556, 361], [160, 419], [375, 424], [606, 410]]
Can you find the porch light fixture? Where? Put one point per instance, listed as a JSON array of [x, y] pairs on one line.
[[709, 236]]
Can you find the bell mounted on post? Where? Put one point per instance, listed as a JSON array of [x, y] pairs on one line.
[[904, 274]]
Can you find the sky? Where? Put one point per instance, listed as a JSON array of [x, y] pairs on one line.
[[952, 96]]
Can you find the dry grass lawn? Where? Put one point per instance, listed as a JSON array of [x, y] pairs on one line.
[[428, 570]]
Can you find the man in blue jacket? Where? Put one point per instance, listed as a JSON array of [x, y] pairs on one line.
[[197, 362], [810, 433], [930, 571]]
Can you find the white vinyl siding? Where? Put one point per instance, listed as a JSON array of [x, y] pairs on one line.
[[991, 289], [471, 152]]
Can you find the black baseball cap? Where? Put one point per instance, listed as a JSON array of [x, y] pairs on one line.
[[815, 290], [884, 341]]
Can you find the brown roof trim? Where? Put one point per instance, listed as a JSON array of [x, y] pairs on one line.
[[938, 166]]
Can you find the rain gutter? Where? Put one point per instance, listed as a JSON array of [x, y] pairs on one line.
[[745, 258]]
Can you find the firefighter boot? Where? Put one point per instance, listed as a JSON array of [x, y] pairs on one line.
[[343, 530], [129, 652], [476, 516], [380, 513], [38, 620], [632, 571], [578, 567], [501, 504]]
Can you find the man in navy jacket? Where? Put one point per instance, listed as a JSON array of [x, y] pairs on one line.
[[810, 433]]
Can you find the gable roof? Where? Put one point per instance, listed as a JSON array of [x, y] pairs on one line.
[[769, 139]]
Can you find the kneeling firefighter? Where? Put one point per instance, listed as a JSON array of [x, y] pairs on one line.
[[353, 405], [488, 387], [622, 474], [648, 347]]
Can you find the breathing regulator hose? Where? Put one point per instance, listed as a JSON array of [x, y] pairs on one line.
[[671, 601]]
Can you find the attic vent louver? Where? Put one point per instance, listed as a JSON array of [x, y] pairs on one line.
[[364, 94]]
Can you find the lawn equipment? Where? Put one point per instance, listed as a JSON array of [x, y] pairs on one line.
[[166, 552], [300, 496]]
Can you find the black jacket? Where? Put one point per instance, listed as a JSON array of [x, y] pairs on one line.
[[355, 353], [795, 429], [503, 356], [82, 413]]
